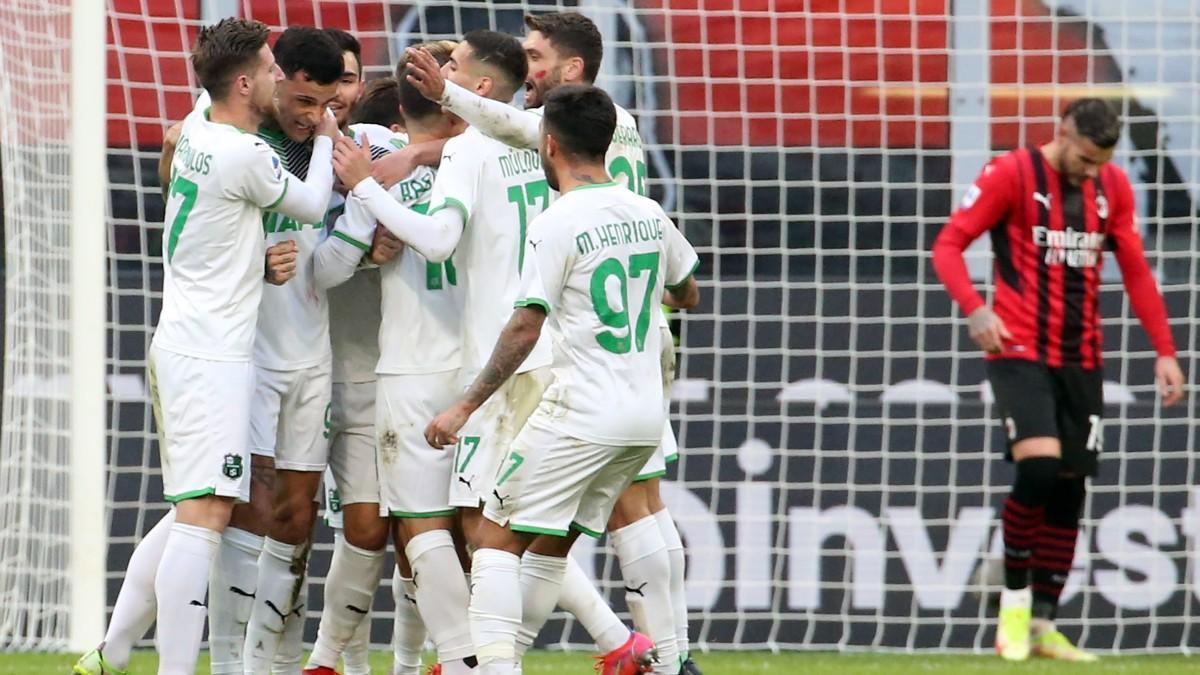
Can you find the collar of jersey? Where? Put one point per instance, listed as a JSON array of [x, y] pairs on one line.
[[593, 186], [209, 120]]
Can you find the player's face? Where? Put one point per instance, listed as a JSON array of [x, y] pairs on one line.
[[545, 68], [1081, 158], [300, 103], [461, 66], [349, 89], [266, 77]]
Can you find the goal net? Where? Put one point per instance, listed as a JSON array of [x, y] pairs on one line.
[[840, 478]]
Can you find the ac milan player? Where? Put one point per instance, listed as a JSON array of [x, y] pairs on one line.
[[1051, 212]]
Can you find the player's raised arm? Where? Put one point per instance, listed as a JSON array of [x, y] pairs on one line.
[[1126, 244], [497, 119], [306, 201], [984, 205], [434, 236]]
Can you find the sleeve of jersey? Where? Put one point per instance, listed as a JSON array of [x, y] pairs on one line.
[[456, 185], [306, 201], [501, 121], [259, 176], [434, 236], [336, 258], [1144, 295], [542, 282], [986, 203], [682, 261]]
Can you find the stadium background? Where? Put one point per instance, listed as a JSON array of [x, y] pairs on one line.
[[838, 485]]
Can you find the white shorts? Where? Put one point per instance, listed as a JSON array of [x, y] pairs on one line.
[[488, 434], [290, 417], [550, 483], [352, 442], [414, 477], [202, 409], [668, 449], [333, 501], [666, 452]]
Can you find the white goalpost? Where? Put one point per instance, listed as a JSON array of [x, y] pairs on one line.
[[53, 449]]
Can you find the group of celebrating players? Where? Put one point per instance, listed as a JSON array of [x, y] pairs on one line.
[[446, 309], [462, 335]]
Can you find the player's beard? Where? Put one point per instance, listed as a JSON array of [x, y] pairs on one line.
[[536, 90]]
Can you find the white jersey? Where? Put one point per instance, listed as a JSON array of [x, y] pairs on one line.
[[420, 332], [354, 305], [213, 250], [599, 259], [293, 323], [499, 190]]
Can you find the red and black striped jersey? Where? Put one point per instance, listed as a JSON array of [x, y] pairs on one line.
[[1048, 237]]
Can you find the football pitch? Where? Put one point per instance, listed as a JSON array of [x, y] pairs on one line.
[[722, 663]]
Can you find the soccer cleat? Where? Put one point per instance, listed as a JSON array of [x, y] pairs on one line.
[[319, 670], [1012, 635], [637, 655], [93, 663], [1052, 644], [435, 669], [690, 668]]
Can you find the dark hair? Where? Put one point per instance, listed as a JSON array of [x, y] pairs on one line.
[[571, 34], [347, 43], [1096, 120], [582, 118], [502, 52], [380, 104], [224, 51], [415, 105], [314, 51]]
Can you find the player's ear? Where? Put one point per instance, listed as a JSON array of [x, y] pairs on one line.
[[573, 70], [484, 86]]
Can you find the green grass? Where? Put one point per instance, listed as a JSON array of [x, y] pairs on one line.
[[724, 663]]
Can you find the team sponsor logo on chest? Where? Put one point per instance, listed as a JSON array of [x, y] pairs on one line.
[[1069, 247]]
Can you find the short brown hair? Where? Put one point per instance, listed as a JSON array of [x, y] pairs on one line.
[[571, 34], [415, 105], [1096, 120], [224, 51], [380, 104]]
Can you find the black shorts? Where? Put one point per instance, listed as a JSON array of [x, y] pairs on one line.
[[1066, 403]]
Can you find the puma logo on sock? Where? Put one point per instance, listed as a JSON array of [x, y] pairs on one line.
[[238, 591], [638, 590], [356, 610]]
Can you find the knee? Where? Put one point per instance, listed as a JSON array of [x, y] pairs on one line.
[[1039, 474], [364, 528], [291, 518]]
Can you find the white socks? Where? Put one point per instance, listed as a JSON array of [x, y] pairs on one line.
[[231, 597], [291, 647], [357, 656], [541, 585], [408, 635], [349, 594], [276, 591], [670, 535], [181, 583], [442, 594], [495, 609], [579, 597], [646, 568], [134, 611]]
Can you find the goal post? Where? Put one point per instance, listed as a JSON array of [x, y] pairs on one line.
[[88, 323], [53, 450]]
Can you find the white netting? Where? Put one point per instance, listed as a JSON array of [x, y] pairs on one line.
[[840, 472], [34, 441]]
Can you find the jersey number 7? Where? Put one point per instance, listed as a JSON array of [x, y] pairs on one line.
[[618, 319]]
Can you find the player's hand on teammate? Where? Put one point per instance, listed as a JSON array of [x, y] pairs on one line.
[[1169, 378], [394, 167], [281, 262], [351, 161], [328, 126], [443, 430], [425, 74], [171, 136], [385, 246], [987, 330]]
